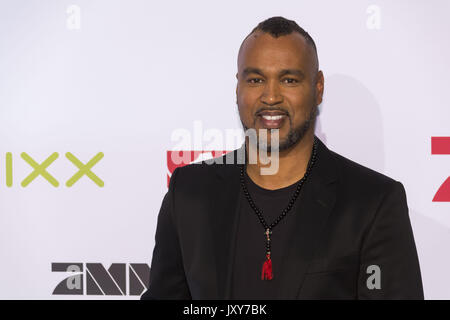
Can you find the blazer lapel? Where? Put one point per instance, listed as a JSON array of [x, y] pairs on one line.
[[317, 199], [224, 221]]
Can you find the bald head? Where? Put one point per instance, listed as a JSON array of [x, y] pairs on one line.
[[292, 48], [278, 27]]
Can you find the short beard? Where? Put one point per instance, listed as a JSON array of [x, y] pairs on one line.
[[294, 136]]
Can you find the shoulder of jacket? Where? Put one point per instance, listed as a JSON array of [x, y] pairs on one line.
[[201, 173], [360, 176]]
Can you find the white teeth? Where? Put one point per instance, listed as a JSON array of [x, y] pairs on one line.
[[273, 117]]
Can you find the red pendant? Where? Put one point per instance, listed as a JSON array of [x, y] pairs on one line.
[[267, 269]]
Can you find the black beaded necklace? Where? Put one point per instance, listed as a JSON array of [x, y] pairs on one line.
[[267, 273]]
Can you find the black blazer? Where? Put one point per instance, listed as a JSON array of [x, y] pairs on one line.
[[349, 218]]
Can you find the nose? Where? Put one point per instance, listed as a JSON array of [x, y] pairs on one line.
[[271, 94]]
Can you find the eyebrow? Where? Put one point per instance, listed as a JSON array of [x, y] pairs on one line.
[[295, 72], [283, 72]]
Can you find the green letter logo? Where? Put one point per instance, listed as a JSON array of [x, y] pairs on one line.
[[84, 169], [39, 169]]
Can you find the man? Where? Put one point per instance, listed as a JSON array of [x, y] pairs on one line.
[[320, 227]]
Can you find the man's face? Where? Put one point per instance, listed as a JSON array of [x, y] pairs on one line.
[[278, 86]]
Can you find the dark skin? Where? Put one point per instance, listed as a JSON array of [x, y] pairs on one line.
[[279, 74]]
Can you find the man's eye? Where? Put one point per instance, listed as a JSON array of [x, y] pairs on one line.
[[254, 80], [290, 80]]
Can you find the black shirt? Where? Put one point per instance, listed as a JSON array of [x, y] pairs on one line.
[[251, 241]]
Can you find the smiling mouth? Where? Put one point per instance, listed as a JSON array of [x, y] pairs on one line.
[[272, 119]]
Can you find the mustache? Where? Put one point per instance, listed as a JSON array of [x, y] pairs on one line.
[[281, 109]]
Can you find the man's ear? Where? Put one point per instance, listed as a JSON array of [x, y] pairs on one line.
[[237, 78], [319, 87]]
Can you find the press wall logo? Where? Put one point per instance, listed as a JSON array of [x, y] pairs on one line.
[[121, 279], [40, 169], [441, 146]]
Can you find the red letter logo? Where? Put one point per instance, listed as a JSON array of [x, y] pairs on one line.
[[441, 145]]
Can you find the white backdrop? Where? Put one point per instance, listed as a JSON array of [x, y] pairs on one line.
[[119, 77]]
